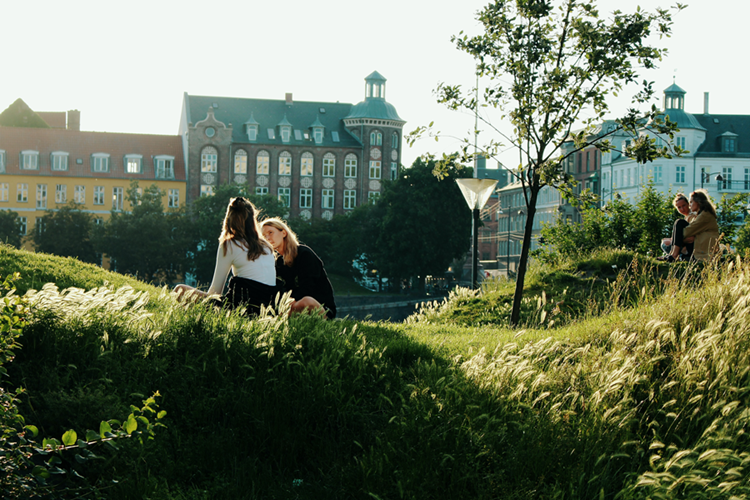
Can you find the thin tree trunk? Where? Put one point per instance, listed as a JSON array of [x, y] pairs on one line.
[[515, 314]]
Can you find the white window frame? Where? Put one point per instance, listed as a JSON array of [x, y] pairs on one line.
[[118, 198], [680, 174], [2, 161], [306, 166], [376, 138], [209, 160], [4, 191], [318, 135], [394, 140], [372, 195], [350, 199], [376, 169], [41, 196], [285, 196], [350, 166], [252, 132], [164, 167], [100, 162], [24, 225], [261, 190], [61, 193], [59, 161], [286, 133], [98, 195], [262, 163], [240, 162], [327, 199], [305, 198], [173, 198], [285, 163], [726, 173], [133, 164], [394, 170], [29, 160], [79, 195], [207, 190], [329, 165]]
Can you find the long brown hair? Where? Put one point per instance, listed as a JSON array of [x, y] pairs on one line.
[[291, 243], [700, 196], [241, 225]]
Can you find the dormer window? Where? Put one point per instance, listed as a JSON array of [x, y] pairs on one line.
[[318, 135], [728, 142], [286, 133], [252, 132]]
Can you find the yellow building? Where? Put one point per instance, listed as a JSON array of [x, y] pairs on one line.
[[45, 168]]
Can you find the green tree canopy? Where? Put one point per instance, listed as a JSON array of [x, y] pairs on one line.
[[10, 228], [66, 232], [550, 66]]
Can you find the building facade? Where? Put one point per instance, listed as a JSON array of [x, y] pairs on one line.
[[46, 168], [319, 158]]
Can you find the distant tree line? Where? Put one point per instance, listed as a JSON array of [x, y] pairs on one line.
[[415, 228]]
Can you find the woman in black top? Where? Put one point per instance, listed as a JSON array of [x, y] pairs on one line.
[[299, 269]]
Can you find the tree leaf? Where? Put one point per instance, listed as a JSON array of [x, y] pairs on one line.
[[131, 425], [69, 438]]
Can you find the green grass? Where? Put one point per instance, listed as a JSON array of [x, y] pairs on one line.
[[638, 389]]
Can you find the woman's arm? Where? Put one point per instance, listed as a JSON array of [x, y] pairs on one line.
[[221, 271], [309, 270], [700, 224]]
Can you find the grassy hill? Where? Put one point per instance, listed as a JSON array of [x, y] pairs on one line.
[[627, 380]]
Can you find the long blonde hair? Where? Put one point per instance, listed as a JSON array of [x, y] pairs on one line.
[[241, 225], [291, 243], [700, 196]]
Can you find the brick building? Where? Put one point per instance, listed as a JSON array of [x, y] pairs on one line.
[[320, 158]]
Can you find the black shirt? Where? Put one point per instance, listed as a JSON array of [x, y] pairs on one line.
[[306, 278]]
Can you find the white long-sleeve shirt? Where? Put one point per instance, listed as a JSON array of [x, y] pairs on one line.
[[262, 269]]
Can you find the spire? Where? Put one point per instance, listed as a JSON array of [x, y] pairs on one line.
[[375, 86]]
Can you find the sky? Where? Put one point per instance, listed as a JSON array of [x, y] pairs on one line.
[[126, 65]]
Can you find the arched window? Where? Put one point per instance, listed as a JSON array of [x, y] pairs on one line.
[[394, 140], [285, 163], [376, 138], [240, 162], [209, 158], [350, 165], [329, 165], [262, 161], [306, 166]]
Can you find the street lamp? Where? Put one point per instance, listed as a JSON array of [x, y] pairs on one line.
[[706, 176], [476, 193]]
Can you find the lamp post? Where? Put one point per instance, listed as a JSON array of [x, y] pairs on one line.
[[476, 193], [706, 176]]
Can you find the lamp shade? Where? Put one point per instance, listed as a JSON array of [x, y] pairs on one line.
[[476, 191]]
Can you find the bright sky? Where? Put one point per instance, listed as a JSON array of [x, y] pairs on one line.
[[125, 65]]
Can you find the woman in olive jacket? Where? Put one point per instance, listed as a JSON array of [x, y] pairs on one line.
[[704, 228]]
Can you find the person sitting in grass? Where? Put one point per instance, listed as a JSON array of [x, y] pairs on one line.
[[300, 270], [244, 251], [682, 205], [704, 228]]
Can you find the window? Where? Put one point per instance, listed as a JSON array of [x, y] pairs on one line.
[[394, 140], [133, 164], [285, 163], [335, 136], [285, 196], [173, 200], [306, 167], [374, 169], [730, 145], [588, 161], [2, 161], [22, 220], [350, 199], [240, 162], [350, 166], [209, 159], [29, 160], [271, 134], [117, 198], [41, 196], [59, 161], [394, 170], [680, 174], [261, 191], [327, 199], [79, 195], [61, 193], [286, 133], [252, 132], [305, 198], [100, 162], [297, 135], [376, 138], [657, 174], [207, 190], [318, 135], [726, 173], [747, 179], [4, 189], [262, 161], [329, 165], [680, 142], [372, 195], [39, 225], [98, 195], [164, 167]]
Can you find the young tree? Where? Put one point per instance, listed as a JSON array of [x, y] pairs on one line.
[[10, 228], [730, 211], [66, 232], [548, 62]]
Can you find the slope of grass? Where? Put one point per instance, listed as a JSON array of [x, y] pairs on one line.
[[643, 396]]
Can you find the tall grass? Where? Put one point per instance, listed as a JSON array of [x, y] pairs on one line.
[[646, 397]]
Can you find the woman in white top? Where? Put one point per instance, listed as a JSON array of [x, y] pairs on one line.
[[250, 257]]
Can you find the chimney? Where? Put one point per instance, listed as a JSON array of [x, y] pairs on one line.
[[705, 103], [288, 98], [74, 120]]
